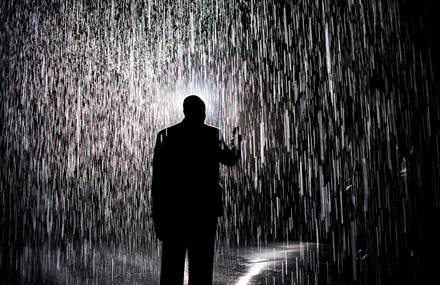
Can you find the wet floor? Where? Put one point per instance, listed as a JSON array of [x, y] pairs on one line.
[[274, 263]]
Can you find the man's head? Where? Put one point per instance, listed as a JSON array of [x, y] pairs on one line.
[[194, 109]]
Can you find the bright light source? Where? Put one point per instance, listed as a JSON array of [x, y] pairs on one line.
[[210, 97]]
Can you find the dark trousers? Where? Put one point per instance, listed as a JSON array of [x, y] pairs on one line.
[[199, 241]]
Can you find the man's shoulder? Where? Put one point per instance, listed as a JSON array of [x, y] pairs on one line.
[[214, 131], [179, 129], [170, 129], [212, 128], [165, 133]]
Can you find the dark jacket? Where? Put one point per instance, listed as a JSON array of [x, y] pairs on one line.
[[185, 185]]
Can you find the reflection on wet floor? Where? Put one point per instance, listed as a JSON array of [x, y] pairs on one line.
[[279, 263], [275, 263]]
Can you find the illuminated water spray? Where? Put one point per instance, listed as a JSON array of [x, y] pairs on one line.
[[335, 103]]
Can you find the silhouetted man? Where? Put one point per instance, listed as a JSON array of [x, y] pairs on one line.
[[186, 193]]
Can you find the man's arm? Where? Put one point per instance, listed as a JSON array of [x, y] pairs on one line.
[[228, 156], [157, 184]]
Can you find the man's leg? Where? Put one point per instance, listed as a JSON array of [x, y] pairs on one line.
[[173, 262], [201, 254]]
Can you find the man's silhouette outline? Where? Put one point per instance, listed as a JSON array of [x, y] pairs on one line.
[[186, 193]]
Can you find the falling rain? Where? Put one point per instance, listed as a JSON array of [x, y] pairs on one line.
[[337, 104]]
